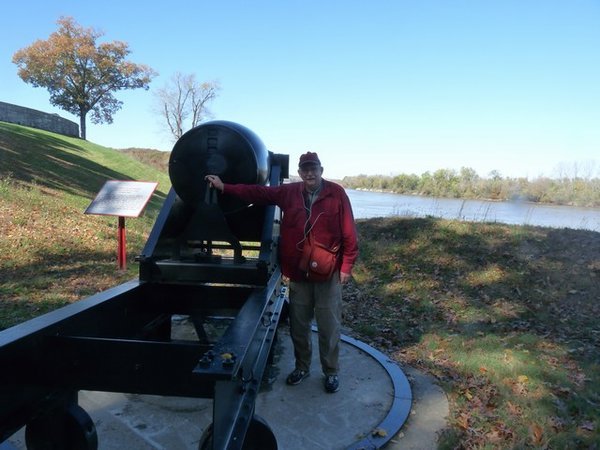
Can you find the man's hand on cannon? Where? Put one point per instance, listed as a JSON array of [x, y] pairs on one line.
[[215, 182]]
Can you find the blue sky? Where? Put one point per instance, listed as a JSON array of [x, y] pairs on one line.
[[379, 87]]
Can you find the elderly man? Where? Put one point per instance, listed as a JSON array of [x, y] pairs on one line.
[[314, 211]]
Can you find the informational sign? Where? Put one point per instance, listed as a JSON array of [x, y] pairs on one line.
[[122, 198]]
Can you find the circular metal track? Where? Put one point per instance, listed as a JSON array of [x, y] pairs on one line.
[[401, 404]]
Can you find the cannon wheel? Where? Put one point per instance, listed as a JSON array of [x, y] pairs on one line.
[[259, 436], [70, 429]]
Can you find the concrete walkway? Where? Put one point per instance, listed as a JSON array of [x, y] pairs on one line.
[[302, 417]]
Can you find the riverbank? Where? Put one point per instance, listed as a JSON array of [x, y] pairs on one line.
[[567, 189], [504, 316], [372, 204]]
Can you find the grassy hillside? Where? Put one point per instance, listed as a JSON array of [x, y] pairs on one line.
[[36, 157], [50, 252], [155, 158]]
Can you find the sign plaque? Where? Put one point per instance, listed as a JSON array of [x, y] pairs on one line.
[[122, 199]]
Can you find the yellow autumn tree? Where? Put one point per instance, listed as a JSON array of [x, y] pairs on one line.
[[80, 74]]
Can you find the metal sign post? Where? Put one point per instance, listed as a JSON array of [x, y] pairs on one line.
[[122, 199], [121, 248]]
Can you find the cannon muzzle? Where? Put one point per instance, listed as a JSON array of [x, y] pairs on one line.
[[227, 149]]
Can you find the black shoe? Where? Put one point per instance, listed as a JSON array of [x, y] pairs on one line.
[[296, 376], [332, 383]]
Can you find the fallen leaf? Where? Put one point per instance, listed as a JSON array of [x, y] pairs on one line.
[[514, 409], [523, 378], [494, 437], [379, 432], [463, 421], [537, 433]]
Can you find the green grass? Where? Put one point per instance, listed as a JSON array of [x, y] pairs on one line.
[[506, 317], [69, 165], [51, 253]]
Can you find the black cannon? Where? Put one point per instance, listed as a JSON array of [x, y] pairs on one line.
[[210, 258]]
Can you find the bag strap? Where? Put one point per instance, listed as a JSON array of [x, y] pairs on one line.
[[312, 241]]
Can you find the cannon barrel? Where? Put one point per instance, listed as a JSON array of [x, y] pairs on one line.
[[223, 148], [204, 236]]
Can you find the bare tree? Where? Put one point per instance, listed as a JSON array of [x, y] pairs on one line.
[[585, 170], [183, 102]]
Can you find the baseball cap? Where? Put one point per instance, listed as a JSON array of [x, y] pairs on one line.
[[309, 158]]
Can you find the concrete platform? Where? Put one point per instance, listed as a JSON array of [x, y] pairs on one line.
[[302, 417]]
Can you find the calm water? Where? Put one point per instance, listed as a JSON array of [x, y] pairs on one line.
[[374, 204]]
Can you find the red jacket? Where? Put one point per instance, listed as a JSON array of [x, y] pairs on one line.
[[331, 218]]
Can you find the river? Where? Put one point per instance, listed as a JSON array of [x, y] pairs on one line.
[[374, 204]]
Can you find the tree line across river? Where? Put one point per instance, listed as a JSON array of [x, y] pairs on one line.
[[573, 190]]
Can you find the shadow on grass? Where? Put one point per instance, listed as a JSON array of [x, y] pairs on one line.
[[504, 315], [53, 281], [32, 157], [465, 274]]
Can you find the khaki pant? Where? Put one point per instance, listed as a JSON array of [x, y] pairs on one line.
[[323, 301]]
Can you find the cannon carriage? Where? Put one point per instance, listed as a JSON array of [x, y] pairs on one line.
[[210, 258]]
